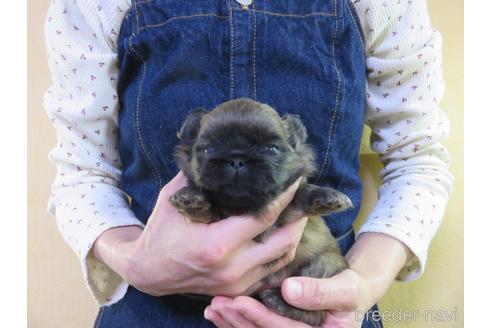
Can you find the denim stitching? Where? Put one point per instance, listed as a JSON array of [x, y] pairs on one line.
[[356, 26], [137, 19], [135, 3], [341, 98], [338, 112], [345, 234], [179, 18], [330, 133], [337, 115], [128, 11], [137, 120], [99, 316], [231, 68], [254, 50], [294, 15]]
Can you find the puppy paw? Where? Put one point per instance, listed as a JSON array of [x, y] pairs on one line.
[[272, 298], [326, 200], [192, 205]]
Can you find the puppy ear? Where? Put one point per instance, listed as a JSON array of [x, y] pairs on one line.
[[191, 126], [296, 130]]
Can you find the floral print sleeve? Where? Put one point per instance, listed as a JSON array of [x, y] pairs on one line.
[[404, 87], [82, 104]]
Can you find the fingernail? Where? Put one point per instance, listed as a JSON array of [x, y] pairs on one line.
[[294, 290], [206, 313], [294, 186]]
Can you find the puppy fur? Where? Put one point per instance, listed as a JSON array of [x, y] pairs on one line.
[[238, 158]]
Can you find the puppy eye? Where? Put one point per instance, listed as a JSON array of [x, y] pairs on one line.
[[270, 149], [207, 150], [201, 148]]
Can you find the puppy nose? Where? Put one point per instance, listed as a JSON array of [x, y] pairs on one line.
[[237, 164]]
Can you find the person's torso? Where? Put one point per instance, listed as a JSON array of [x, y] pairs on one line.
[[300, 57]]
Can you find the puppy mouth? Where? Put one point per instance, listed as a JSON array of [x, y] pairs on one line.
[[237, 184], [238, 180], [231, 184]]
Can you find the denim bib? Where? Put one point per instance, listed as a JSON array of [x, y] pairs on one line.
[[300, 57]]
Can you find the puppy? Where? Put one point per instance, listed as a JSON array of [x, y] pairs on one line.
[[238, 158]]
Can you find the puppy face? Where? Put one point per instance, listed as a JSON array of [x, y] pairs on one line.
[[242, 154]]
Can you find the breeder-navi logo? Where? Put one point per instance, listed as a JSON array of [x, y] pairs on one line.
[[399, 315]]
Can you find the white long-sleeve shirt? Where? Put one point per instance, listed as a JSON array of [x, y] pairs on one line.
[[404, 87]]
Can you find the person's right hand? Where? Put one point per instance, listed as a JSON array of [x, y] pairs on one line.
[[173, 256]]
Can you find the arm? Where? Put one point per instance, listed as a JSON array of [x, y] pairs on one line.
[[82, 106], [404, 88]]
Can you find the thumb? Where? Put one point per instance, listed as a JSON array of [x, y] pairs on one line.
[[179, 181], [161, 207], [275, 208], [340, 292]]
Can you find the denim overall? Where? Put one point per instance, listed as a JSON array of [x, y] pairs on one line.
[[301, 57]]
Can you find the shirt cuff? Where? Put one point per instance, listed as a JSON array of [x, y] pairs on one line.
[[105, 285], [83, 213]]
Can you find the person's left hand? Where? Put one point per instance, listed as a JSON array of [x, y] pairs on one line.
[[346, 296]]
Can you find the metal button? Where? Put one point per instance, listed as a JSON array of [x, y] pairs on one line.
[[244, 2]]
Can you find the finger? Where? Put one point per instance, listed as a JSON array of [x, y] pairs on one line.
[[257, 274], [179, 181], [237, 230], [219, 302], [339, 292], [234, 318], [216, 318], [275, 207], [347, 319], [258, 260], [161, 210], [277, 245], [254, 288], [262, 317]]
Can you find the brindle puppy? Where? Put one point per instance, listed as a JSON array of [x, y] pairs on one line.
[[238, 158]]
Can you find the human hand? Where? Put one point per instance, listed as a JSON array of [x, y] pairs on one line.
[[342, 294], [374, 261], [173, 256]]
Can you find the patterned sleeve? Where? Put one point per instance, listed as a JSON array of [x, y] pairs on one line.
[[404, 88], [82, 105]]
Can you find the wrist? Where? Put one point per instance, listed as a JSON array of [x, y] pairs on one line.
[[377, 258], [116, 247]]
